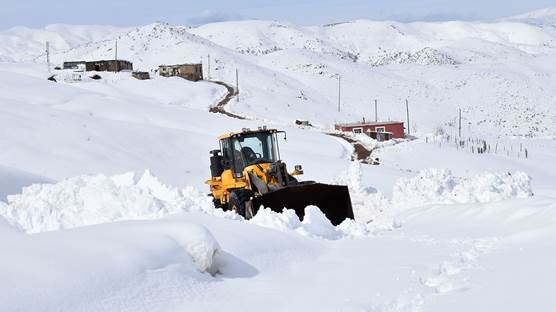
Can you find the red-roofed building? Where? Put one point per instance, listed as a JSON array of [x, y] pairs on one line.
[[381, 130]]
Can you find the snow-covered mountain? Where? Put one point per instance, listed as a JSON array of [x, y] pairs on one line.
[[544, 17], [24, 44], [504, 68]]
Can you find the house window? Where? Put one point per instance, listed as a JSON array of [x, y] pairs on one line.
[[357, 130], [380, 129]]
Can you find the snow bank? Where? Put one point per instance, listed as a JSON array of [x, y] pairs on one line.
[[6, 228], [368, 205], [432, 186], [439, 186], [90, 266], [86, 200], [314, 224]]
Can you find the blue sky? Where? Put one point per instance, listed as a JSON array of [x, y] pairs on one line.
[[37, 13]]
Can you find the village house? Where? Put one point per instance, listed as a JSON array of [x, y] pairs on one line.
[[193, 72], [380, 130], [102, 65], [73, 64]]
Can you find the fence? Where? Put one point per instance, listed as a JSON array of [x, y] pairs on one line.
[[480, 146]]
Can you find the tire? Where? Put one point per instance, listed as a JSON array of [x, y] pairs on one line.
[[237, 201], [217, 203]]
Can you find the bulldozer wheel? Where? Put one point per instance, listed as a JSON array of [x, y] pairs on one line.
[[238, 198], [217, 203]]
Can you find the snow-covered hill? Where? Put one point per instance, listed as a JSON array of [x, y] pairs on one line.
[[23, 43], [505, 69], [544, 17]]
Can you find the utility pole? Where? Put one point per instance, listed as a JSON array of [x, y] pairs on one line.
[[116, 51], [339, 92], [237, 85], [407, 112], [48, 55], [208, 65], [376, 110], [459, 124]]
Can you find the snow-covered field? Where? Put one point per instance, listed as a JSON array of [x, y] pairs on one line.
[[103, 202]]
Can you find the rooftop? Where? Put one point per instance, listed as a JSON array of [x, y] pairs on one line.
[[369, 123], [179, 65]]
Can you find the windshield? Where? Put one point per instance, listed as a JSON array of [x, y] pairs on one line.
[[255, 148]]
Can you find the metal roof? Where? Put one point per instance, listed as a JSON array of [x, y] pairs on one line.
[[369, 123], [246, 131]]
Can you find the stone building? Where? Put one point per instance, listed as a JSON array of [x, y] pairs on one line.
[[102, 65], [192, 72]]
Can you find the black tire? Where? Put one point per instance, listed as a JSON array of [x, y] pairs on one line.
[[237, 201], [217, 203]]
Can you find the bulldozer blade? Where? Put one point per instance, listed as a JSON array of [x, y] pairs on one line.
[[333, 200]]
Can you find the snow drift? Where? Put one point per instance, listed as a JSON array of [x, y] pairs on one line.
[[86, 200], [437, 186], [314, 224], [93, 266]]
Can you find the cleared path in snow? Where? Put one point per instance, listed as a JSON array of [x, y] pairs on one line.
[[220, 106]]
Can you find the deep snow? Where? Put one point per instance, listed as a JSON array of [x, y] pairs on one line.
[[104, 205]]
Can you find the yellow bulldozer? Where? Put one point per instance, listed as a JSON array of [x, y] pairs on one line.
[[247, 173]]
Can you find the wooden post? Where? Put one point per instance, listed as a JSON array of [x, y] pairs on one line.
[[339, 92], [48, 55], [459, 125], [208, 65], [376, 110], [407, 112], [237, 85]]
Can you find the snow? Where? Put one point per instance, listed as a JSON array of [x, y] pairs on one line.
[[104, 204], [98, 262], [433, 186], [314, 224], [87, 200]]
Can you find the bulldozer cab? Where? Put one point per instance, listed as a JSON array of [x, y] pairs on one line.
[[247, 148]]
